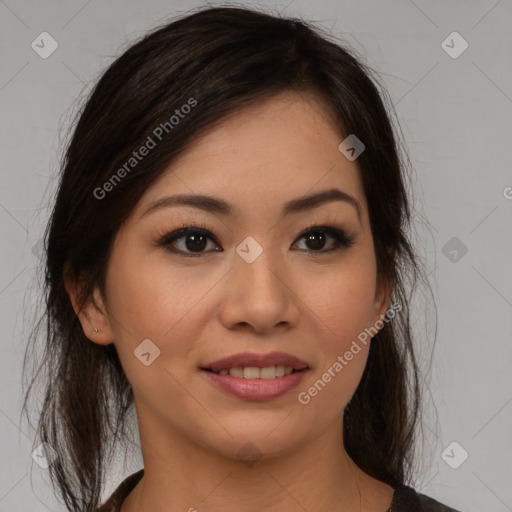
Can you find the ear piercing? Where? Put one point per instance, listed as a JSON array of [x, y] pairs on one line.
[[96, 330]]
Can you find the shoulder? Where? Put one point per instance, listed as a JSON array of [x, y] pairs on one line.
[[114, 502], [406, 499]]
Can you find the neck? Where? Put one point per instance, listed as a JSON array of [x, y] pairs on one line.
[[181, 475]]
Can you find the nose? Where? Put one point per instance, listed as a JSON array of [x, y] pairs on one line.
[[260, 296]]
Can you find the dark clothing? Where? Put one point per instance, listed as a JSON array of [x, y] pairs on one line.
[[405, 499]]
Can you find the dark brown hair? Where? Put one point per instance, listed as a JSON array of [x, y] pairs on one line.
[[225, 58]]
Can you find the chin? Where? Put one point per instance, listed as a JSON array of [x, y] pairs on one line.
[[248, 441]]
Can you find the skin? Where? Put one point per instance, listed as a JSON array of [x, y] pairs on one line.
[[292, 298]]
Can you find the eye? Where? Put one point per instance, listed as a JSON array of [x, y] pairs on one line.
[[316, 239], [193, 240]]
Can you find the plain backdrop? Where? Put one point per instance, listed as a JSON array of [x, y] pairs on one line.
[[454, 105]]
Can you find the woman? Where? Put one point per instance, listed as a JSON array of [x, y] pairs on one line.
[[228, 254]]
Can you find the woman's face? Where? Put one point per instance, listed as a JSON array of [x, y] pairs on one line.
[[256, 283]]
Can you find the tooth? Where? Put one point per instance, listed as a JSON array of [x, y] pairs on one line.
[[236, 372], [251, 372], [268, 372]]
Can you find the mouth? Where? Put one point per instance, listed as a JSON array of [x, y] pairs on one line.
[[253, 376]]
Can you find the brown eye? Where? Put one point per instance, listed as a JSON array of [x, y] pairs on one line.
[[194, 241], [316, 238]]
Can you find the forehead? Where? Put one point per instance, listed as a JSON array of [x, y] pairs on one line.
[[263, 156]]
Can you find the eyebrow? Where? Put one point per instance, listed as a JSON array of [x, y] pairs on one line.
[[216, 205]]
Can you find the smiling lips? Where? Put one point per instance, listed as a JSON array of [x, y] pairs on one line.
[[257, 376]]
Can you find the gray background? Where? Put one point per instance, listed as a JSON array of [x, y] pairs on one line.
[[455, 114]]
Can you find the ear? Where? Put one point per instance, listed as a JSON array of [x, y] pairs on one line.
[[382, 298], [383, 293], [93, 315]]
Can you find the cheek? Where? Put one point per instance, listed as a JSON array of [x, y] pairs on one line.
[[151, 299], [341, 317], [342, 305], [342, 301], [149, 295]]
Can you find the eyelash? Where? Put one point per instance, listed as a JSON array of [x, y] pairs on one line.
[[342, 240]]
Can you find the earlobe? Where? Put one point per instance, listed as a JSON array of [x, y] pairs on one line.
[[92, 315]]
